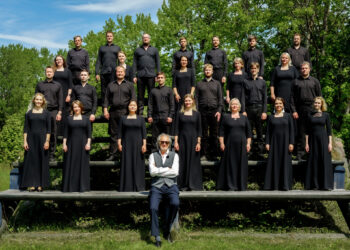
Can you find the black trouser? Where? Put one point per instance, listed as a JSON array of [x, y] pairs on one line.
[[303, 112], [114, 118], [142, 84], [218, 74], [53, 136], [76, 77], [105, 80], [159, 126], [254, 112], [87, 113], [210, 132], [65, 114]]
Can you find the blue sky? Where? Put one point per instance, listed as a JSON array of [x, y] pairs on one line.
[[50, 24]]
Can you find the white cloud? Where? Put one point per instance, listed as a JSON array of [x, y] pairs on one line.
[[115, 6], [34, 41]]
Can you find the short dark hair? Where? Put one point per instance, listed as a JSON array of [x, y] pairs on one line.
[[75, 37], [252, 37], [85, 70], [160, 73], [109, 32], [182, 38]]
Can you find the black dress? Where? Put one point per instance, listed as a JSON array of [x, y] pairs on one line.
[[282, 81], [235, 85], [279, 134], [233, 170], [36, 159], [132, 171], [76, 170], [319, 173], [183, 82], [188, 129]]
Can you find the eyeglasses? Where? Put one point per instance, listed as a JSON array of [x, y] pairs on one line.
[[164, 142]]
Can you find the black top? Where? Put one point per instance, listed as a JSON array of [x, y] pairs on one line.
[[177, 58], [53, 94], [65, 79], [218, 58], [129, 74], [146, 62], [87, 95], [161, 103], [298, 56], [255, 92], [279, 76], [184, 81], [235, 86], [304, 91], [119, 95], [78, 59], [209, 95], [318, 123], [107, 59], [253, 55]]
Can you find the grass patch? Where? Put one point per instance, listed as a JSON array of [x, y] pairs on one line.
[[4, 176]]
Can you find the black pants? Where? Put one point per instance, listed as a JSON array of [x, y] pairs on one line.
[[113, 129], [87, 113], [76, 77], [254, 116], [105, 80], [53, 136], [142, 84], [158, 127], [303, 112], [210, 132], [218, 74], [62, 123]]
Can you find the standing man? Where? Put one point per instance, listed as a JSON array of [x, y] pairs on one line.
[[210, 104], [298, 53], [106, 62], [86, 93], [305, 89], [218, 58], [180, 53], [253, 55], [161, 108], [164, 168], [146, 65], [77, 60], [119, 93], [54, 97]]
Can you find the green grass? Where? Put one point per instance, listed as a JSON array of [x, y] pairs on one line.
[[4, 176]]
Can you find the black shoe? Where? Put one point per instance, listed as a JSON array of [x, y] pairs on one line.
[[52, 158], [111, 158], [158, 243]]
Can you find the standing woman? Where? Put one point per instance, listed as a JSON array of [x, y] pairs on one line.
[[64, 76], [183, 82], [132, 144], [188, 133], [235, 83], [282, 79], [279, 144], [235, 139], [319, 173], [76, 145], [37, 130], [129, 74]]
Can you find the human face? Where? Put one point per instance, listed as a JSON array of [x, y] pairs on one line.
[[208, 72], [296, 40], [78, 42], [317, 104], [252, 43], [188, 102], [279, 105], [234, 106], [121, 58], [164, 143], [109, 37], [161, 80], [120, 73], [183, 61], [146, 39], [305, 70], [49, 73], [84, 76], [38, 101], [284, 59], [238, 65], [76, 109], [254, 70], [216, 42], [132, 107], [183, 43], [59, 62]]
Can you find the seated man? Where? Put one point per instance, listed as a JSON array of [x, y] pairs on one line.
[[164, 168]]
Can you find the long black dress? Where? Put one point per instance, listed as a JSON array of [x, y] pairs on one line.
[[183, 82], [282, 81], [188, 129], [319, 173], [235, 85], [36, 159], [279, 134], [233, 170], [76, 171], [132, 171]]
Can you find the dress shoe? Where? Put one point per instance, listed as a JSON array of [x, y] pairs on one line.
[[158, 243], [111, 158]]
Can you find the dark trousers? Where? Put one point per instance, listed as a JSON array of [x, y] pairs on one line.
[[105, 80], [76, 77], [170, 195], [158, 127], [218, 74], [53, 136], [303, 112], [210, 132], [142, 84], [113, 128], [62, 123], [87, 113], [254, 116]]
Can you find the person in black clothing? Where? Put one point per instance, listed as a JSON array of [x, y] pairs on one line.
[[161, 108], [218, 58], [77, 60], [180, 53], [119, 93], [54, 96], [235, 84], [106, 63], [305, 89], [87, 95], [210, 104], [129, 74], [253, 55], [146, 64], [298, 53], [256, 103]]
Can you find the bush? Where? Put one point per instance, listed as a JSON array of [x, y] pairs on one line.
[[345, 134]]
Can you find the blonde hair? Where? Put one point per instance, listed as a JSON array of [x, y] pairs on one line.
[[232, 100], [208, 65], [32, 103], [323, 103], [182, 110], [290, 60], [239, 60], [79, 103]]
